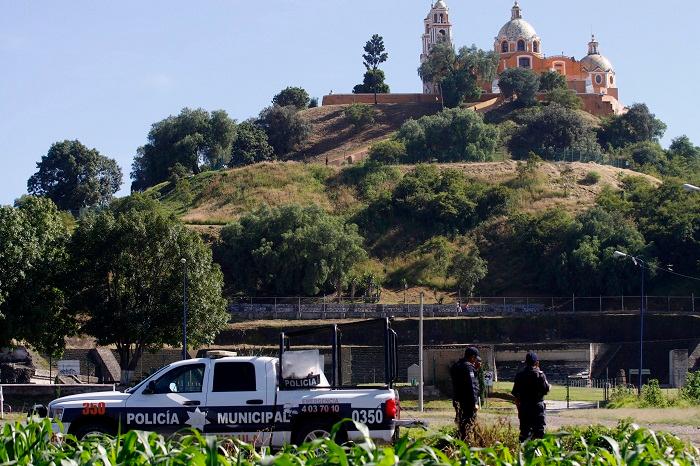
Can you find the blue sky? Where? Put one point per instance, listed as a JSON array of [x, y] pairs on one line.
[[103, 72]]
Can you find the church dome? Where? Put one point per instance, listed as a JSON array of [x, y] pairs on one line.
[[517, 29], [440, 4], [594, 61]]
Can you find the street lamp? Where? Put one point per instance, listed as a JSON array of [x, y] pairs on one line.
[[640, 263], [690, 188], [183, 261]]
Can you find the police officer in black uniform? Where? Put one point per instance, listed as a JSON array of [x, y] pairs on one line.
[[465, 385], [529, 390]]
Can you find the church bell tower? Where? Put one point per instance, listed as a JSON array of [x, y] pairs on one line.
[[437, 29]]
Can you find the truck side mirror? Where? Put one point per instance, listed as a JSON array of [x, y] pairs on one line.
[[151, 388]]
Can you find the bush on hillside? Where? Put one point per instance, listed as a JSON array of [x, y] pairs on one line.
[[638, 124], [453, 135], [564, 97], [591, 178], [371, 179], [556, 133], [289, 251], [691, 390], [389, 151], [296, 97], [521, 84], [286, 130], [250, 146], [359, 115], [447, 201]]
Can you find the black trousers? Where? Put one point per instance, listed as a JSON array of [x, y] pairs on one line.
[[532, 421], [465, 417]]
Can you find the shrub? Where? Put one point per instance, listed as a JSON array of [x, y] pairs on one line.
[[296, 97], [285, 129], [389, 151], [520, 83], [691, 391], [359, 115], [556, 133], [652, 396], [564, 97], [591, 178], [453, 135]]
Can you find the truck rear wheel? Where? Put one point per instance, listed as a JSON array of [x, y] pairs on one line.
[[312, 430]]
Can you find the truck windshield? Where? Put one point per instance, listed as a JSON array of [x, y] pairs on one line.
[[140, 384]]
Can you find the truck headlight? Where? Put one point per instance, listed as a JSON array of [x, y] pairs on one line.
[[56, 413]]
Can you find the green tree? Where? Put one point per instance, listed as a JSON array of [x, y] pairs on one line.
[[74, 177], [372, 83], [250, 145], [645, 156], [468, 268], [556, 133], [551, 80], [128, 280], [289, 250], [564, 97], [196, 139], [296, 97], [33, 281], [389, 151], [519, 83], [638, 124], [286, 130], [375, 54], [683, 147], [458, 73], [453, 135]]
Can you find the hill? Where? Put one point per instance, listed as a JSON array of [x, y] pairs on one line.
[[333, 137], [218, 197]]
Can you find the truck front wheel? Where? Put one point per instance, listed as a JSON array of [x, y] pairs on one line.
[[94, 428], [312, 430]]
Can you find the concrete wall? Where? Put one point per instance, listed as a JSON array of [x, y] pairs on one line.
[[347, 99], [21, 397]]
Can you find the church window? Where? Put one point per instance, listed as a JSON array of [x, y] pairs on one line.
[[560, 68], [442, 32], [521, 45], [598, 79], [441, 18], [504, 47], [536, 47], [524, 62], [612, 80], [435, 18]]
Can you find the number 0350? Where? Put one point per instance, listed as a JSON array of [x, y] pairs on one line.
[[93, 409], [368, 416]]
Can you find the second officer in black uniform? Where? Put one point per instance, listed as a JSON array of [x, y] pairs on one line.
[[529, 390], [465, 385]]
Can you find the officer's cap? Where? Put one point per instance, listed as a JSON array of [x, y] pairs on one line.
[[471, 351], [531, 358]]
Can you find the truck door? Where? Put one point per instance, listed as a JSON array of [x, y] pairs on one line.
[[174, 401], [238, 402]]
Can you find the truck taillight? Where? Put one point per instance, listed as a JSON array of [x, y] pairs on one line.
[[391, 409]]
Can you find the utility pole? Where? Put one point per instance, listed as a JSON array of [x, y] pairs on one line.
[[183, 261], [420, 355]]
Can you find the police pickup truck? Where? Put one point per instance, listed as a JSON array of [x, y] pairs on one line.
[[256, 399]]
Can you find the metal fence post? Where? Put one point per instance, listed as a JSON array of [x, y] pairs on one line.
[[692, 297], [600, 306], [573, 303], [623, 302]]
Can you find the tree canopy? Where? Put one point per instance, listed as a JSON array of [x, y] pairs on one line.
[[250, 146], [286, 130], [556, 133], [453, 135], [458, 73], [74, 177], [290, 250], [33, 269], [292, 96], [194, 139], [519, 83], [375, 54], [551, 80], [128, 277], [638, 124]]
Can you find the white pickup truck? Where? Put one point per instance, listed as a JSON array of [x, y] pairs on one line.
[[250, 398]]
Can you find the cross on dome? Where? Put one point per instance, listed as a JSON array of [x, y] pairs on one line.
[[516, 11]]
